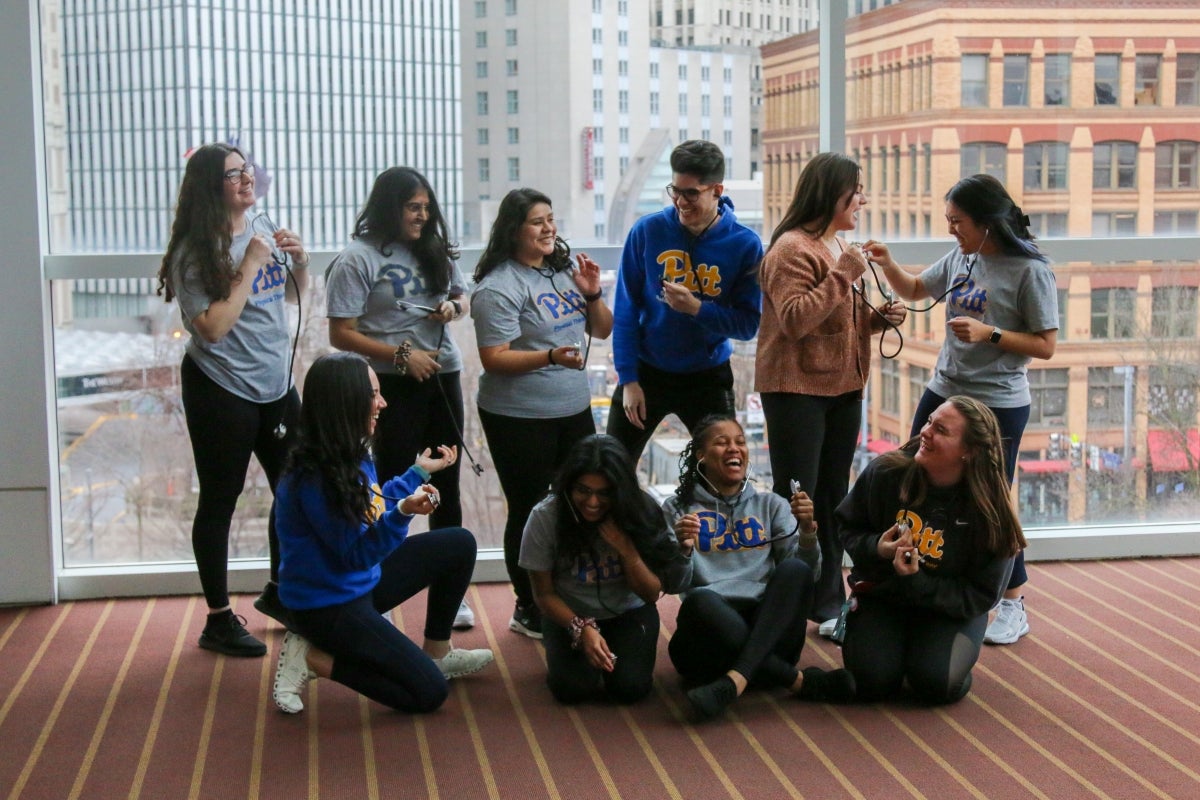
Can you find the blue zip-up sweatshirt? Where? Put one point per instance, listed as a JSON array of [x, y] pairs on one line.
[[720, 267], [326, 559]]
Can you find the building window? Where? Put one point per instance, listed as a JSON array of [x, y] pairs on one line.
[[1106, 397], [883, 169], [514, 169], [481, 103], [598, 135], [988, 158], [729, 138], [481, 136], [1114, 165], [1172, 394], [1016, 80], [622, 38], [889, 386], [1174, 312], [598, 202], [514, 135], [927, 178], [1113, 313], [623, 135], [1175, 223], [481, 38], [974, 81], [683, 137], [510, 67], [654, 102], [913, 163], [1046, 224], [622, 67], [1048, 396], [1057, 90], [597, 100], [598, 230], [623, 164], [481, 69], [896, 169], [480, 8], [510, 37], [1187, 75], [485, 170], [728, 74], [683, 103], [1146, 72], [510, 8], [653, 69], [1062, 304], [597, 66], [683, 72], [597, 36], [623, 101], [1108, 79], [1175, 165], [598, 167], [1046, 166], [1114, 223], [513, 103], [918, 378]]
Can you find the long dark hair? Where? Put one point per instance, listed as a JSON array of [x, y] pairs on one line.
[[514, 208], [985, 200], [331, 443], [824, 183], [630, 508], [690, 468], [380, 221], [201, 230], [986, 481]]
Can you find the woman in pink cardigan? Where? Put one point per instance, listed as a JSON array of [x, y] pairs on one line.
[[814, 352]]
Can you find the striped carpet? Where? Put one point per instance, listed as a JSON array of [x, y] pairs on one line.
[[111, 699]]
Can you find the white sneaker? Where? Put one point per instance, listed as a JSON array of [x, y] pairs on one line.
[[827, 628], [1010, 624], [292, 673], [457, 663], [465, 618]]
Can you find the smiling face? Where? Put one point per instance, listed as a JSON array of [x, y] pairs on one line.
[[238, 195], [724, 456], [591, 494], [846, 218], [535, 237], [377, 403], [942, 453], [695, 201], [414, 215], [971, 238]]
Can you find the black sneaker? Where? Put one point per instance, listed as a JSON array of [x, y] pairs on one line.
[[224, 633], [711, 699], [834, 686], [268, 603], [527, 621]]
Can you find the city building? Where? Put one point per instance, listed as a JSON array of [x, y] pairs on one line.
[[1089, 115]]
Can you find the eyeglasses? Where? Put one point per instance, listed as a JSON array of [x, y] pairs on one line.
[[238, 175], [690, 195], [417, 208], [587, 491]]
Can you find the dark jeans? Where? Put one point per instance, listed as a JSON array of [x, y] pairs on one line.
[[422, 414], [888, 643], [632, 638], [225, 429], [812, 440], [761, 640], [369, 654], [1012, 427], [690, 396], [527, 454]]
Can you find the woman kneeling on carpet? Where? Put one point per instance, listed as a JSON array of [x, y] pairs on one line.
[[598, 557], [751, 576], [921, 589], [347, 556]]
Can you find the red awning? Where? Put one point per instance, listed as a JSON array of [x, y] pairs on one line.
[[1038, 466], [1167, 454], [879, 446]]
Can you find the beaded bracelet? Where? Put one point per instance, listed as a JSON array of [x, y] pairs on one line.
[[400, 357], [576, 629]]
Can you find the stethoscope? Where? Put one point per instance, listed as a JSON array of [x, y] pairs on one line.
[[263, 224]]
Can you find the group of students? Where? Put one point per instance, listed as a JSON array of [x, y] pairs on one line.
[[929, 527]]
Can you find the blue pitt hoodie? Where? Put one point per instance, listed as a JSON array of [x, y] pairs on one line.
[[720, 267]]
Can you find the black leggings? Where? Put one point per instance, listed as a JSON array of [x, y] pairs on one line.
[[369, 654], [422, 414], [225, 429], [888, 643], [632, 637], [527, 454], [761, 640]]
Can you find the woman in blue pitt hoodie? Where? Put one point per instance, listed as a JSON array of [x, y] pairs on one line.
[[347, 557]]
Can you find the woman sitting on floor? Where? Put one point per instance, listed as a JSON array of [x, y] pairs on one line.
[[921, 589], [751, 578], [347, 556]]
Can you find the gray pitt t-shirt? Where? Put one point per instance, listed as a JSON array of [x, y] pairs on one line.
[[526, 309], [380, 292], [251, 361]]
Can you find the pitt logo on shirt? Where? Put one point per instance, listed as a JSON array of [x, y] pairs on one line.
[[969, 299], [929, 541], [677, 268], [718, 534]]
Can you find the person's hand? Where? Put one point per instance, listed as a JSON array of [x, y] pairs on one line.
[[634, 401], [422, 364], [680, 298], [447, 455], [907, 560], [569, 356], [612, 533], [877, 252], [443, 314], [422, 501], [687, 532], [893, 538], [259, 252], [802, 510], [894, 312], [969, 330], [289, 242], [595, 649], [587, 274]]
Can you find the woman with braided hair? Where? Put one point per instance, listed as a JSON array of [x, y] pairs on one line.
[[1001, 313]]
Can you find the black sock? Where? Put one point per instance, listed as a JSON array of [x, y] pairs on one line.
[[711, 699]]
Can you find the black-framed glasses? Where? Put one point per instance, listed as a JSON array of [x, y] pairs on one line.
[[417, 208], [690, 195], [240, 174], [587, 491]]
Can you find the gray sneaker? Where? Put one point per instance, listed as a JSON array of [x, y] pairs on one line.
[[465, 618], [1010, 624], [291, 674], [457, 663]]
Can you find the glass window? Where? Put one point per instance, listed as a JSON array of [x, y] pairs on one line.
[[913, 170], [1113, 312], [889, 386], [974, 81], [510, 67], [512, 102], [481, 69], [1173, 312], [597, 100], [927, 179], [1114, 223], [895, 169], [485, 170], [1106, 397], [1063, 296], [1053, 223], [918, 379], [481, 103], [514, 135], [683, 103], [1108, 79], [654, 102], [510, 8], [622, 101], [1175, 165], [1172, 400], [480, 8], [1048, 396], [597, 66], [1187, 75], [481, 38], [989, 158], [1114, 165], [1176, 223], [1016, 80], [514, 169], [1145, 79], [1057, 89], [1046, 166], [653, 69], [481, 136]]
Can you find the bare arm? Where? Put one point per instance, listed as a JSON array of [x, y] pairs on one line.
[[221, 315], [903, 283]]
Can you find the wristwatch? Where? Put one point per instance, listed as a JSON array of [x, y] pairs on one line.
[[995, 337]]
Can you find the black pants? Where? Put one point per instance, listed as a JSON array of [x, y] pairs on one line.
[[762, 640], [887, 644], [369, 654], [527, 454], [812, 441], [225, 429], [422, 414], [690, 396], [632, 638]]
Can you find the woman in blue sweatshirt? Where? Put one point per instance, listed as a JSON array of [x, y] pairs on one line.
[[346, 556]]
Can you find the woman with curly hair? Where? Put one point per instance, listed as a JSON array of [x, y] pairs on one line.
[[599, 557], [752, 568], [231, 283], [347, 555], [933, 536], [533, 310]]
